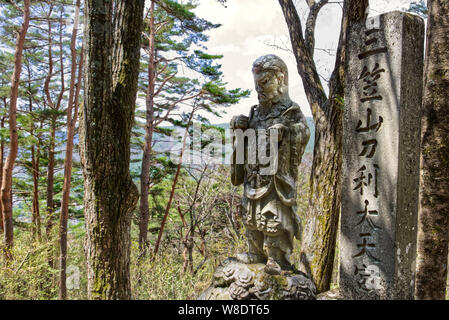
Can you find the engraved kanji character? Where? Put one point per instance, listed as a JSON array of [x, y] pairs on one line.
[[363, 274], [369, 126], [366, 247], [370, 79], [370, 42], [370, 176], [366, 216], [366, 144], [363, 180], [370, 278]]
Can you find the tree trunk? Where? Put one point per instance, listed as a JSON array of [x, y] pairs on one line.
[[146, 159], [320, 223], [50, 178], [55, 106], [190, 244], [35, 208], [433, 225], [6, 189], [173, 187], [2, 152], [184, 240], [112, 65], [71, 122], [35, 157]]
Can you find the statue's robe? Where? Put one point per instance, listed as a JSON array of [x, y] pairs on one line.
[[269, 201]]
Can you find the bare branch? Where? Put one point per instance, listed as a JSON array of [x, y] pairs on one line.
[[168, 60], [14, 4], [304, 57], [310, 3], [164, 82], [173, 105], [159, 26], [275, 46], [311, 23], [60, 20]]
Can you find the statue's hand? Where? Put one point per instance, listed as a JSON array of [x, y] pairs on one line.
[[240, 122], [280, 128]]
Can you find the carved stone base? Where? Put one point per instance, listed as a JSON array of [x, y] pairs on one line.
[[334, 294], [234, 280]]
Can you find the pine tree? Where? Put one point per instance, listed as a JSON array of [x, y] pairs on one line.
[[6, 188], [72, 115], [173, 37]]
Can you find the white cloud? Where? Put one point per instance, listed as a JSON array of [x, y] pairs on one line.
[[247, 25]]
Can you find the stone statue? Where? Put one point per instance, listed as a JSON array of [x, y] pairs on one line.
[[268, 205], [269, 201]]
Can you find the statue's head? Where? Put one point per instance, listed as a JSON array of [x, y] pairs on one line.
[[271, 78]]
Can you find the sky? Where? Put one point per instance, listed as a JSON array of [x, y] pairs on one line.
[[252, 28]]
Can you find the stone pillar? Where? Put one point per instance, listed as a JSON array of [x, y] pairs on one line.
[[383, 93]]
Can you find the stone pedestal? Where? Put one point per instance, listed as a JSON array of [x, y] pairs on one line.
[[234, 280], [383, 93]]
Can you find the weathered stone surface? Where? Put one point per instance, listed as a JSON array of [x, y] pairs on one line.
[[381, 157], [234, 280], [334, 294], [268, 206]]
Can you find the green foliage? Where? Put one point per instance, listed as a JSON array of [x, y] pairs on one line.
[[419, 8], [162, 278], [180, 45], [39, 112], [154, 277], [29, 275]]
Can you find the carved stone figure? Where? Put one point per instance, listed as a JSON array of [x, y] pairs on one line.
[[269, 201], [268, 205]]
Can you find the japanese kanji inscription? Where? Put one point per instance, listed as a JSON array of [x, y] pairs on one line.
[[381, 157]]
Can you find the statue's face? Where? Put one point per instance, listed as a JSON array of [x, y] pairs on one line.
[[269, 85]]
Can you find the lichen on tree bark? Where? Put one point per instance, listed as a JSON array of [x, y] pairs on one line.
[[112, 42], [433, 214], [321, 219]]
